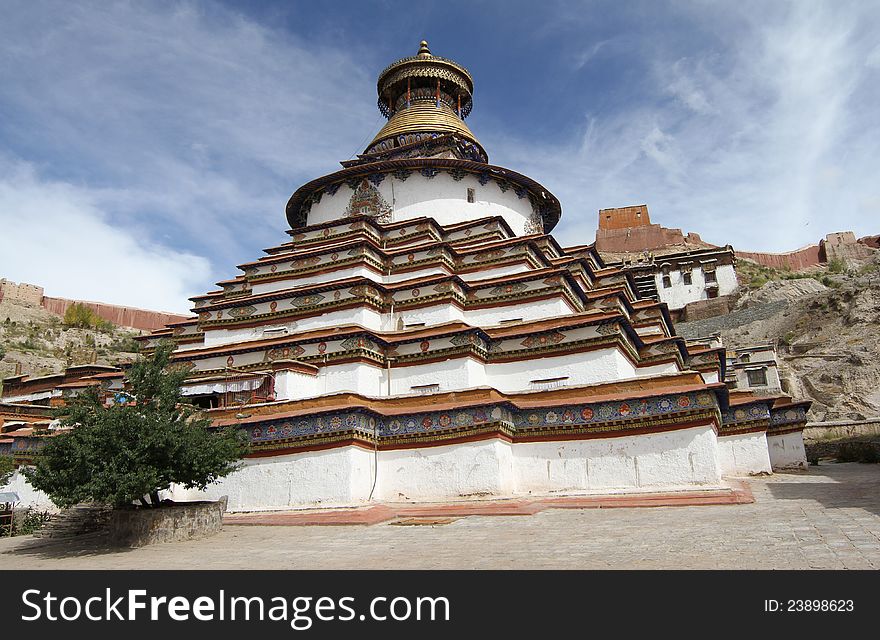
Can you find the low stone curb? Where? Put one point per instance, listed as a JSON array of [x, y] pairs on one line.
[[739, 493]]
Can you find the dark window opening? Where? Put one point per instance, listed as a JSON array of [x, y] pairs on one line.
[[710, 276], [757, 377], [210, 401], [712, 293], [667, 282], [472, 195], [686, 276]]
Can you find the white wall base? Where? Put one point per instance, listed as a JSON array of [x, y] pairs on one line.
[[744, 454], [334, 477], [667, 459], [28, 496], [672, 459], [787, 451], [344, 476]]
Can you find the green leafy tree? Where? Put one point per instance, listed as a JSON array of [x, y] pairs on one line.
[[79, 315], [131, 451], [7, 468]]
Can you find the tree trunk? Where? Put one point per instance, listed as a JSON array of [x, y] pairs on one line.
[[154, 496]]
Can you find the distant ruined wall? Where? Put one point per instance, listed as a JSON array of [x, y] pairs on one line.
[[636, 239], [844, 246], [121, 316], [799, 260], [624, 217], [840, 245], [23, 293], [629, 230]]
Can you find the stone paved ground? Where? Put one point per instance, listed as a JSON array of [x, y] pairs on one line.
[[827, 518]]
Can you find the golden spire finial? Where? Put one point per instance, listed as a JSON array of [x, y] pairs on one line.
[[423, 48]]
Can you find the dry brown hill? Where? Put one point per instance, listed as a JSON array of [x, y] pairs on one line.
[[38, 343]]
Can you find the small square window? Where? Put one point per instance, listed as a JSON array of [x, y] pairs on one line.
[[667, 282], [712, 293], [710, 276], [686, 276], [757, 377], [472, 195]]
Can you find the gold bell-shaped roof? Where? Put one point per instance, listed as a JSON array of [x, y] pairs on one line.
[[423, 96]]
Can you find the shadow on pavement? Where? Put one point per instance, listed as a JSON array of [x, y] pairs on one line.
[[90, 544], [850, 485]]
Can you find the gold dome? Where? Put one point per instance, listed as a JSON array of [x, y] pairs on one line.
[[424, 117], [424, 96]]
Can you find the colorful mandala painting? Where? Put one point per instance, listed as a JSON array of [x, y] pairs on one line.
[[367, 201]]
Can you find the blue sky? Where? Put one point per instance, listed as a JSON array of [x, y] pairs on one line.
[[146, 148]]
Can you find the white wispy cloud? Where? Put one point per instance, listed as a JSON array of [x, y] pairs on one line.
[[57, 234], [184, 127], [764, 135]]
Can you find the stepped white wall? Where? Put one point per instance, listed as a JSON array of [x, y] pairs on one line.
[[372, 319], [363, 272]]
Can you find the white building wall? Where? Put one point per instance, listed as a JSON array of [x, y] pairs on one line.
[[787, 451], [28, 496], [359, 316], [452, 471], [657, 369], [433, 315], [355, 377], [529, 311], [494, 467], [774, 385], [671, 459], [450, 375], [317, 278], [680, 294], [744, 454], [601, 365], [497, 272], [362, 272], [292, 385], [334, 477], [510, 377], [372, 319], [455, 374], [441, 197], [486, 317]]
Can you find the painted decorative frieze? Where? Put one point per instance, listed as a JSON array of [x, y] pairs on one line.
[[366, 200]]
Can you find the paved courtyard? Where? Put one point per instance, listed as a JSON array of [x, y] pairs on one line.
[[826, 518]]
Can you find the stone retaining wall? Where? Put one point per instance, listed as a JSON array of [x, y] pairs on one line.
[[710, 326], [840, 429], [171, 523]]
